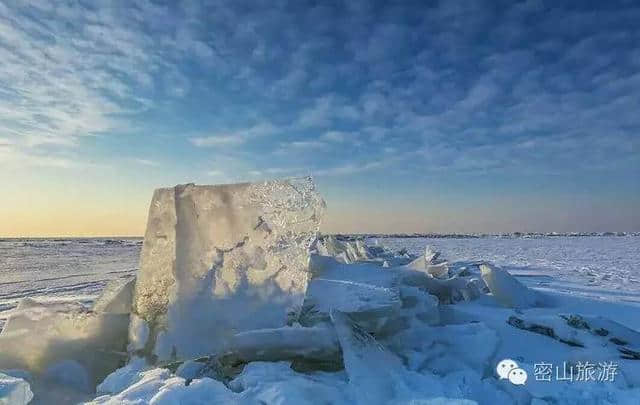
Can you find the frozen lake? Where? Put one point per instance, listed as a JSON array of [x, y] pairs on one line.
[[601, 267]]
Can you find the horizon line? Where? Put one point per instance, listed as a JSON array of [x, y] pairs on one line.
[[369, 234]]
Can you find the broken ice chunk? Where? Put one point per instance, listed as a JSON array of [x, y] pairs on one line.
[[344, 251], [373, 371], [440, 270], [430, 264], [138, 334], [14, 391], [448, 291], [378, 376], [434, 344], [353, 297], [430, 255], [370, 305], [38, 336], [318, 343], [116, 298], [507, 290], [218, 260]]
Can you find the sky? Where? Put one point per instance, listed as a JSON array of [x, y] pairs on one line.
[[451, 116]]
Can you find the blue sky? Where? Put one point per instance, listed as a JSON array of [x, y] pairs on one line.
[[452, 116]]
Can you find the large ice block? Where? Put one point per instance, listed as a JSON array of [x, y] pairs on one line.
[[218, 260]]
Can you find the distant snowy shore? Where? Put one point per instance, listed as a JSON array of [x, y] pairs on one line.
[[484, 235]]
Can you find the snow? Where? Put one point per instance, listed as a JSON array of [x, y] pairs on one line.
[[223, 259], [123, 377], [277, 383], [259, 382]]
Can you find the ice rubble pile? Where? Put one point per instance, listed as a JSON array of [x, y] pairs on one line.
[[238, 300]]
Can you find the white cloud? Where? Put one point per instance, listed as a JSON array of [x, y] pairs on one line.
[[70, 71], [350, 168], [146, 162], [336, 136], [235, 137], [324, 111], [217, 140], [306, 144], [215, 173], [12, 157]]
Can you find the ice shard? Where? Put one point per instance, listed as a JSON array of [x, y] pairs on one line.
[[39, 335], [116, 297], [507, 290], [219, 260]]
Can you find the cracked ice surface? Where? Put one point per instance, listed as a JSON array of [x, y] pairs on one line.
[[218, 260]]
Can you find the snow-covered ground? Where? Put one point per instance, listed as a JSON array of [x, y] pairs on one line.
[[62, 269], [582, 308]]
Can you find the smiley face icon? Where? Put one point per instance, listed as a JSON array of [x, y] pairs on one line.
[[518, 376], [504, 368]]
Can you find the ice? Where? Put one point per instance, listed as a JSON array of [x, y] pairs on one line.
[[375, 374], [14, 391], [448, 291], [117, 297], [507, 290], [378, 376], [365, 302], [430, 263], [365, 290], [138, 334], [445, 349], [69, 373], [288, 343], [192, 369], [309, 348], [37, 336], [218, 260], [344, 251]]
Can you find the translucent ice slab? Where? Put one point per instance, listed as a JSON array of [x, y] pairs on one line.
[[218, 260]]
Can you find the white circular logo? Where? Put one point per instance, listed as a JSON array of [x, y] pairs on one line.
[[504, 368], [518, 376]]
